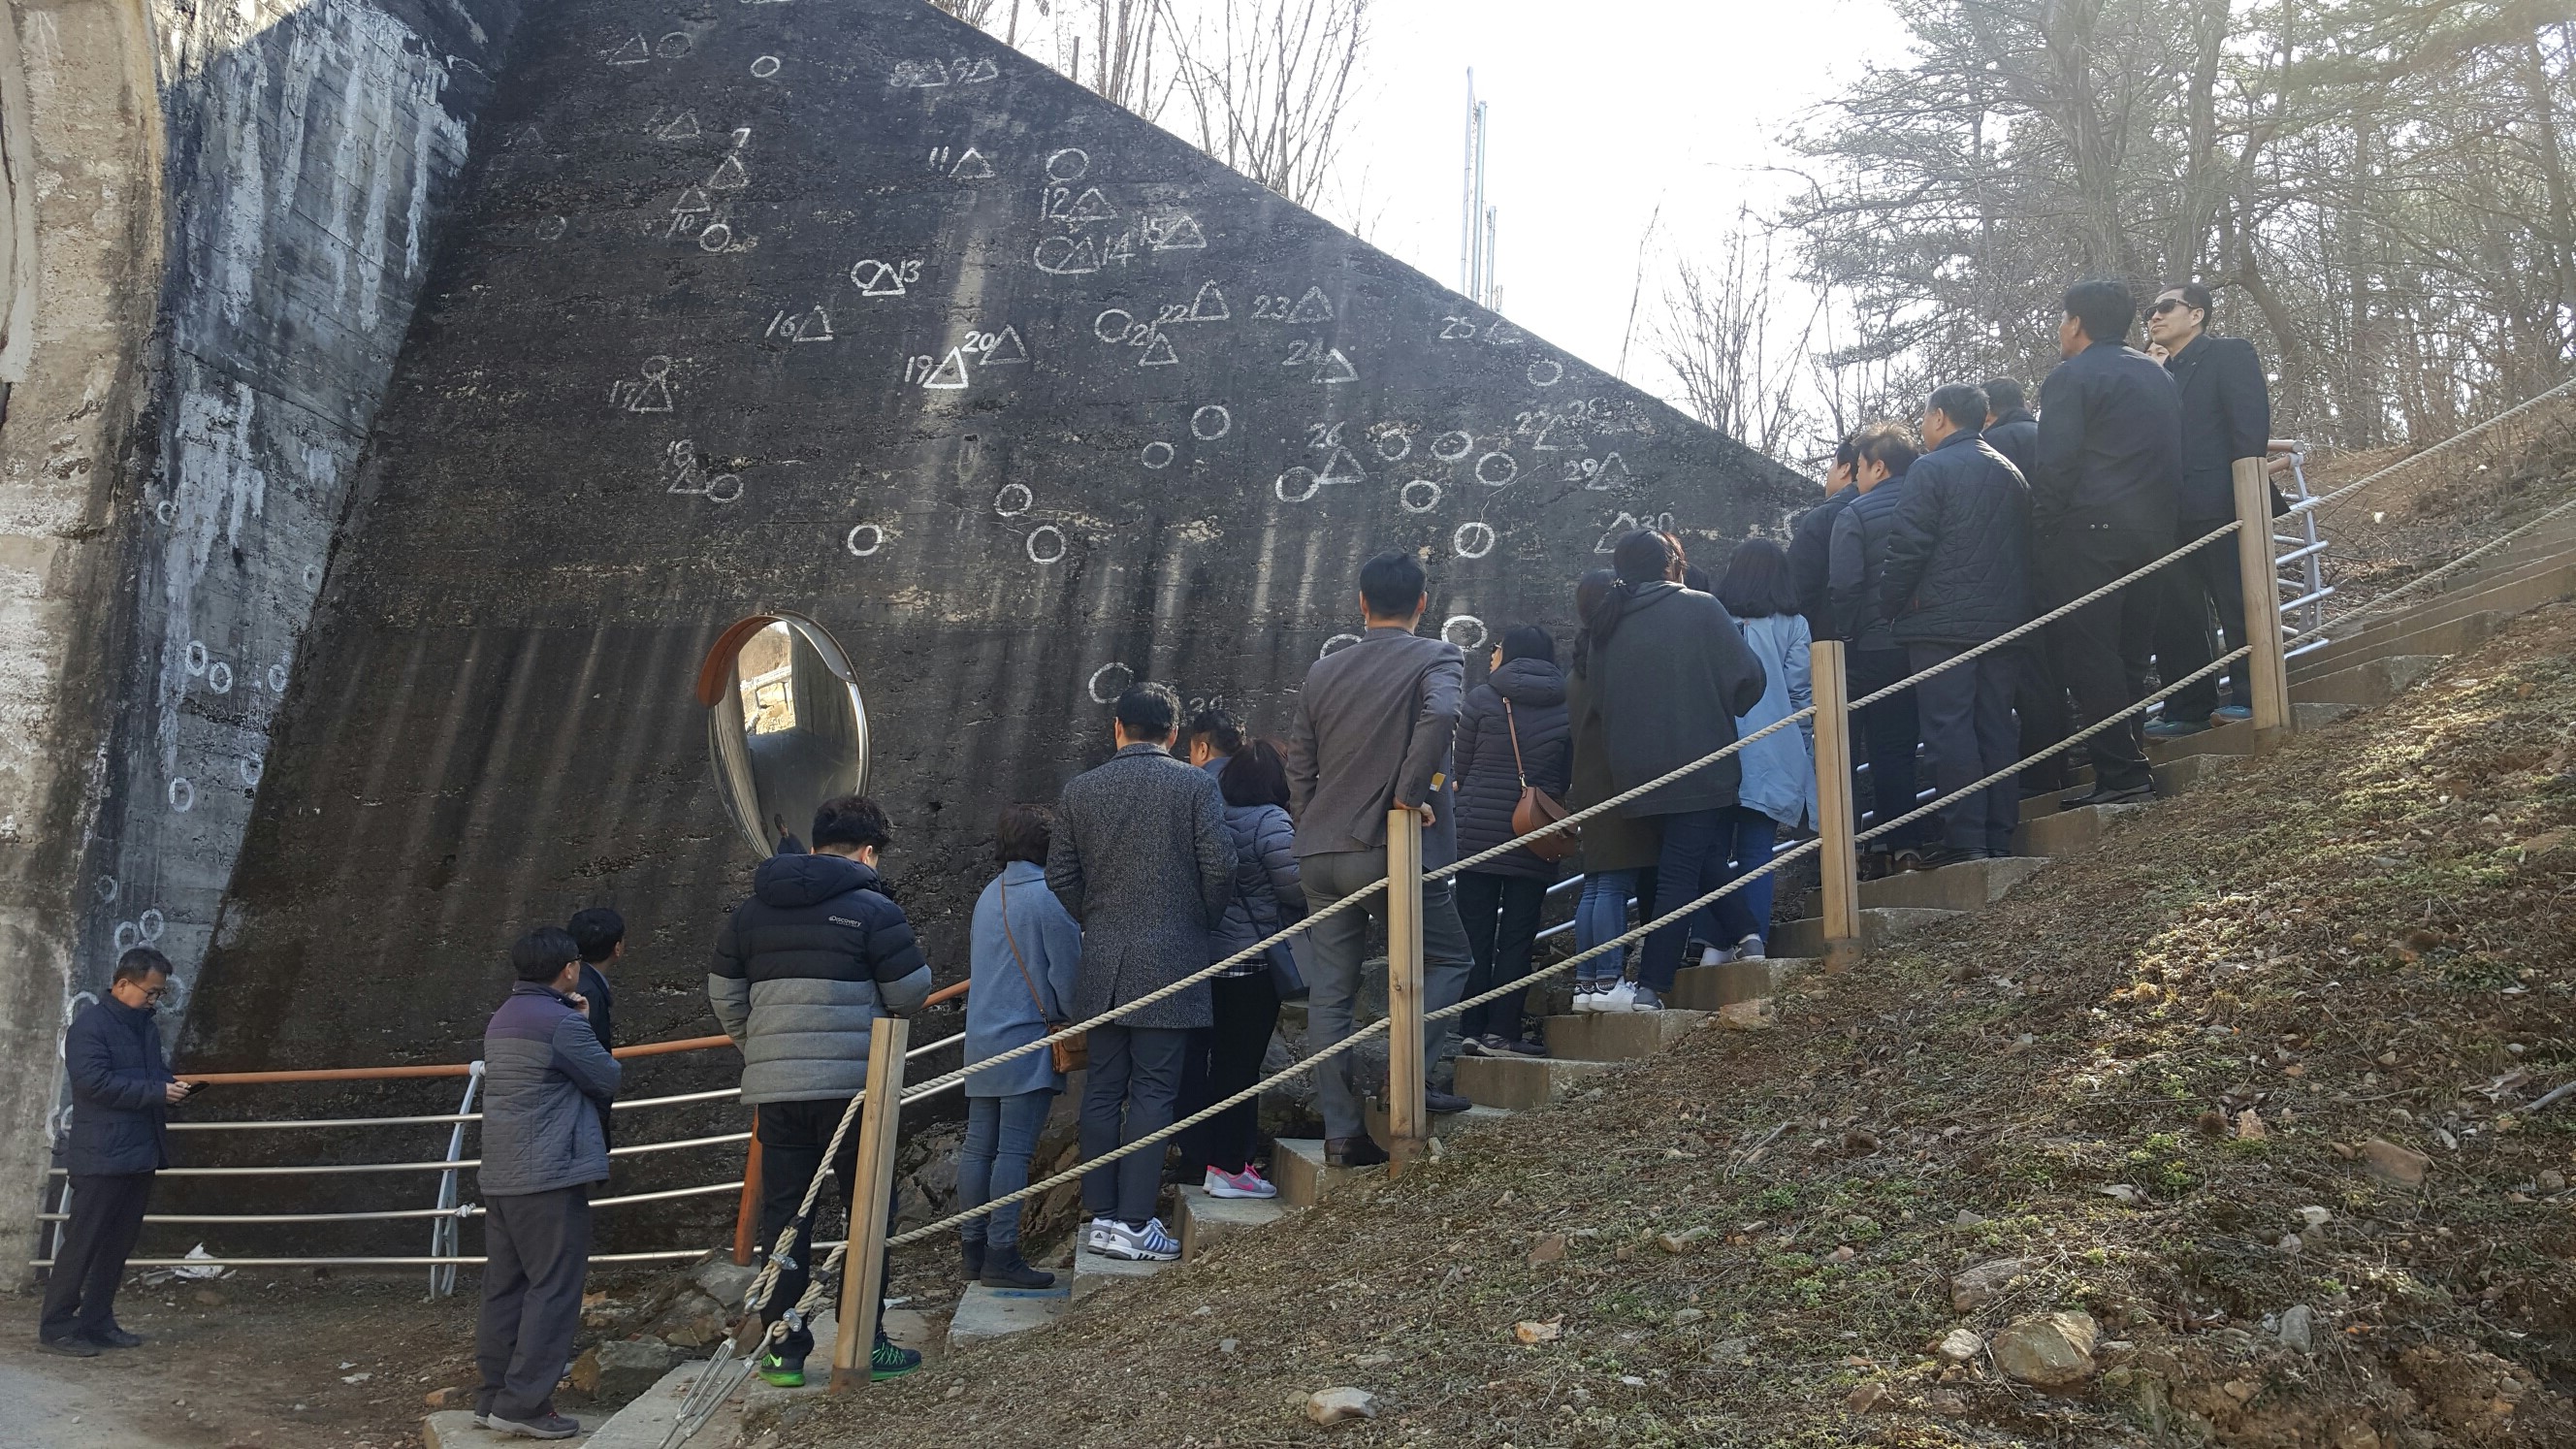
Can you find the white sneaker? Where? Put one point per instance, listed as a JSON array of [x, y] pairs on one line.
[[1586, 1000], [1749, 949], [1097, 1236], [1622, 996], [1148, 1244], [1714, 956], [1246, 1183]]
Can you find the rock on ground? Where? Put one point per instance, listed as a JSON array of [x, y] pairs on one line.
[[1332, 1406], [2049, 1351], [1975, 1287]]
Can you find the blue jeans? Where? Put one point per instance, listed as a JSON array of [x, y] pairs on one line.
[[1748, 911], [1001, 1137], [1697, 847], [1601, 914]]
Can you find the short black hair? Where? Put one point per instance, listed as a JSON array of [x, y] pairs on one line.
[[853, 821], [1148, 711], [1219, 727], [1847, 452], [2003, 395], [1963, 403], [1257, 775], [1392, 584], [137, 963], [542, 954], [1528, 641], [2104, 307], [1757, 583], [1023, 833], [597, 931], [2196, 297], [1890, 445]]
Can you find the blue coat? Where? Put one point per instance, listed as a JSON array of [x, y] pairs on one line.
[[1779, 769], [113, 1053], [545, 1078], [1000, 1012]]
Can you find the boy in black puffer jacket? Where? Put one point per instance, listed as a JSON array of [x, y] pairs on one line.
[[1500, 900]]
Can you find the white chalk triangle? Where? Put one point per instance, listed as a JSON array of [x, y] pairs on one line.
[[1178, 232], [1159, 353], [729, 175], [982, 70], [1091, 206], [950, 374], [1336, 368], [683, 127], [920, 73], [970, 167], [1343, 469], [692, 199], [816, 326], [1210, 305], [1006, 348], [1612, 473], [633, 52], [1312, 308]]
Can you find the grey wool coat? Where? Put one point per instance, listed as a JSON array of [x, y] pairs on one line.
[[1142, 858]]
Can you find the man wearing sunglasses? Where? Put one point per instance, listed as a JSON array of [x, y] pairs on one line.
[[121, 1101], [2226, 415]]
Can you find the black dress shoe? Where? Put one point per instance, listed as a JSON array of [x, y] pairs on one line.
[[114, 1337], [1360, 1151], [70, 1345], [1933, 857], [2111, 795], [1444, 1103]]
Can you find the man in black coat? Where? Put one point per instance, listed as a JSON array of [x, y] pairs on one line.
[[1811, 540], [1958, 575], [2226, 415], [2101, 506], [121, 1101], [1890, 729], [2039, 701], [2011, 429], [601, 934]]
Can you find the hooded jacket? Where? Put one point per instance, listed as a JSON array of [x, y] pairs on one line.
[[1489, 787], [1958, 552], [802, 968], [1672, 676], [545, 1079], [1267, 891], [112, 1053]]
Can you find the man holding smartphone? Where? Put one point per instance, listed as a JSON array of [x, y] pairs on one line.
[[121, 1100]]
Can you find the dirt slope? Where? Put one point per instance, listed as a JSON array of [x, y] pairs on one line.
[[2364, 936]]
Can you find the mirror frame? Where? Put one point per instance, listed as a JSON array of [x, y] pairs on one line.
[[720, 691]]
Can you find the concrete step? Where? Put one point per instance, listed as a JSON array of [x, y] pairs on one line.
[[1093, 1271], [1604, 1036], [1519, 1082], [2190, 772], [1961, 887], [2235, 737], [454, 1428], [1303, 1176], [1807, 937], [2507, 592], [987, 1313], [2068, 831], [1442, 1123], [2443, 631], [1207, 1220], [2371, 682], [1706, 988], [2318, 716]]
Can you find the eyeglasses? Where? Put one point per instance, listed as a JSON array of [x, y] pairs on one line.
[[155, 993], [2169, 304]]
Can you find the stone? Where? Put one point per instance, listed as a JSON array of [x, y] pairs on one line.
[[2315, 1217], [447, 1397], [2249, 1126], [693, 1321], [1966, 1219], [1679, 1243], [623, 1368], [1730, 1350], [1960, 1345], [1549, 1249], [1975, 1287], [723, 1281], [1758, 1014], [2552, 1181], [1685, 1317], [1866, 1398], [2299, 1328], [1538, 1330], [1334, 1406], [2048, 1351], [2390, 1162], [207, 1298]]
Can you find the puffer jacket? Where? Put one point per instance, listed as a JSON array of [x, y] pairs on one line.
[[802, 968], [1958, 550], [1860, 561], [1267, 894], [2015, 435], [1673, 676], [1811, 542], [545, 1078], [1780, 767], [1489, 786], [120, 1102]]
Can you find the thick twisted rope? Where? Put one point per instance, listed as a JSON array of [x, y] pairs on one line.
[[2380, 604], [2323, 499]]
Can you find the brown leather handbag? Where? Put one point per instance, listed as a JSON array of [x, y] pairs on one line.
[[1537, 808], [1074, 1052]]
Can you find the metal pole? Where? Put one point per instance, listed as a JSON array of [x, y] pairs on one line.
[[746, 1217], [444, 1236], [1407, 1123], [1839, 859], [863, 1265], [2266, 671], [1467, 196]]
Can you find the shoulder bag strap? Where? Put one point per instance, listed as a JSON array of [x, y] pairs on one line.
[[1016, 958], [1513, 725]]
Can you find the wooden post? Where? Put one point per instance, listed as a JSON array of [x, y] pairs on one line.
[[2266, 672], [1407, 1123], [1839, 859], [863, 1265], [746, 1215]]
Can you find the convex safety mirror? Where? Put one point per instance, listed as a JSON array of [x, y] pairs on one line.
[[786, 728]]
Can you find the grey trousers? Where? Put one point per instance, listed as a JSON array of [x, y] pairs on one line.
[[1338, 945], [537, 1252], [1132, 1089]]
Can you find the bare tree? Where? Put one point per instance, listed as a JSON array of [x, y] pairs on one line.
[[1267, 81], [1739, 369], [973, 12]]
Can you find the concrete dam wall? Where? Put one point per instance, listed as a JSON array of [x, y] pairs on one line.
[[842, 310]]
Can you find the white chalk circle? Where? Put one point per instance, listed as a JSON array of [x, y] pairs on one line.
[[1451, 630], [1156, 455], [1313, 485], [150, 926], [1107, 331], [1211, 423], [251, 770], [1422, 502], [127, 937], [1472, 540], [219, 677], [1070, 164], [1546, 372], [673, 46], [553, 228], [715, 238], [1013, 500], [1511, 469], [106, 888], [1053, 550], [876, 536], [1403, 446], [1450, 447], [164, 511], [183, 796], [1127, 677], [196, 657], [765, 67], [1336, 644], [724, 488], [277, 679]]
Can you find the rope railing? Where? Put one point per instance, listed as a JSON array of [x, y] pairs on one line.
[[2379, 604], [2324, 500]]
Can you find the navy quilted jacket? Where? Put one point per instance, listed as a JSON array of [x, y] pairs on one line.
[[1958, 549]]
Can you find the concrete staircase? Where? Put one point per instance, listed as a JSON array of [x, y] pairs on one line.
[[2369, 667]]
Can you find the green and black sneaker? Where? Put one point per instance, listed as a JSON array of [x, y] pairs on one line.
[[887, 1361], [784, 1373]]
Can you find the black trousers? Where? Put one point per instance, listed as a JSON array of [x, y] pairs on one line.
[[1890, 730], [1247, 1014], [106, 1218], [2040, 713], [792, 1138], [2206, 581], [1968, 729], [1501, 915], [2102, 651], [1132, 1090], [536, 1256]]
